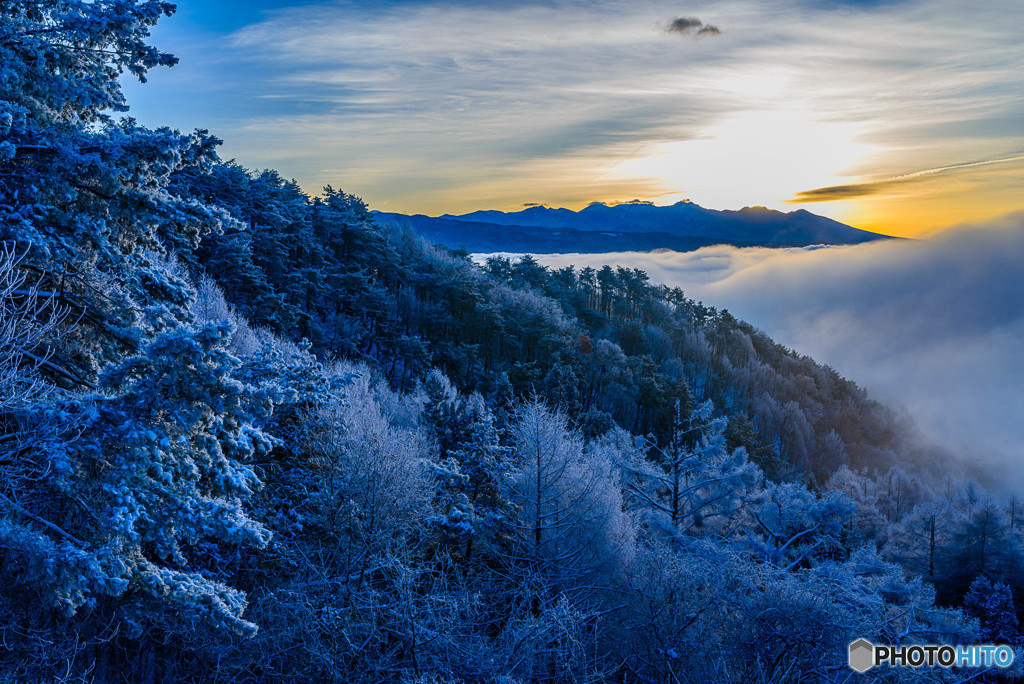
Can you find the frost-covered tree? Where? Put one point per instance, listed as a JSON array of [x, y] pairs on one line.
[[695, 480], [570, 526], [789, 526], [372, 483], [119, 491], [869, 523], [470, 465], [899, 491], [922, 539], [30, 324], [83, 195], [992, 603], [706, 613]]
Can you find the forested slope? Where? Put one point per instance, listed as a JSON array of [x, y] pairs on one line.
[[604, 346], [252, 435]]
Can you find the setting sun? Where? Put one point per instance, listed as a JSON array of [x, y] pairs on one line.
[[759, 157]]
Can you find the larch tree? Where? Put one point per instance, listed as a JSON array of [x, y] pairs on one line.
[[570, 526]]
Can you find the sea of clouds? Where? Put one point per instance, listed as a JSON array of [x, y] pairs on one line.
[[932, 326]]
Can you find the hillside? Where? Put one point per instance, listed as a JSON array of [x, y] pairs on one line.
[[247, 434], [634, 226]]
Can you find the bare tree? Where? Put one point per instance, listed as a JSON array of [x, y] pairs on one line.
[[30, 323]]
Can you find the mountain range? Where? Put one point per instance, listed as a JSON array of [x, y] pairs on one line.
[[630, 226]]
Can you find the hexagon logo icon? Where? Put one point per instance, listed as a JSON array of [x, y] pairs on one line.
[[862, 655]]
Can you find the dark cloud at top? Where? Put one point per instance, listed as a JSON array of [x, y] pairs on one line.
[[692, 26], [685, 25]]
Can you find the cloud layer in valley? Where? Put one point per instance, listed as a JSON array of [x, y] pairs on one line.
[[934, 326]]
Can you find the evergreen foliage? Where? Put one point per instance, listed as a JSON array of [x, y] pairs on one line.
[[252, 435]]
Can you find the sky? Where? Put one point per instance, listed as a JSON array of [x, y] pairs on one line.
[[901, 117], [933, 327]]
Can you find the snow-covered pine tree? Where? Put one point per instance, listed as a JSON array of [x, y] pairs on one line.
[[470, 465], [992, 603], [83, 194], [695, 480], [118, 489]]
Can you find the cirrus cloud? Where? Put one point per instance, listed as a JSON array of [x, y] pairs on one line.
[[841, 192]]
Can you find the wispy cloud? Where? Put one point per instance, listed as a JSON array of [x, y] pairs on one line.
[[851, 191]]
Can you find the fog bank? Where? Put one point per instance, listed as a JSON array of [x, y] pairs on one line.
[[936, 326]]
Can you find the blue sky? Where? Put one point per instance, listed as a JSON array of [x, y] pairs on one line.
[[904, 117]]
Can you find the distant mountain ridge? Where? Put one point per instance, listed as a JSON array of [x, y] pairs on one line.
[[633, 226]]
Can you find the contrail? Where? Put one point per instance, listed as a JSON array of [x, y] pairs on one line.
[[964, 165]]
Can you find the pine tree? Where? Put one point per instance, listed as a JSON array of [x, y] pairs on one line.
[[992, 603], [470, 467], [124, 485], [85, 196], [695, 480]]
